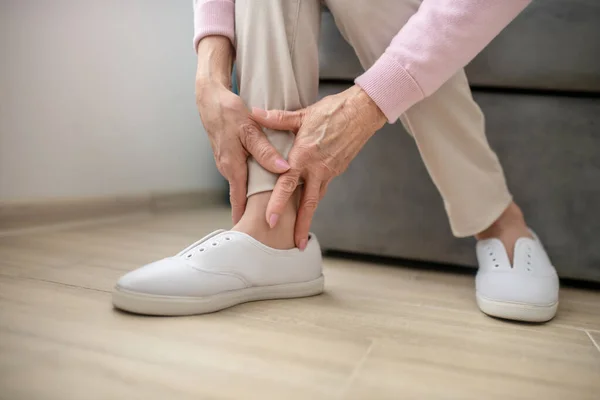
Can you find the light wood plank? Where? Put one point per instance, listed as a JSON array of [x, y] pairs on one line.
[[96, 256], [379, 300], [458, 367], [378, 331], [71, 342]]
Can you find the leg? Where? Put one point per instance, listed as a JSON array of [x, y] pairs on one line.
[[277, 63], [277, 66], [515, 279], [449, 130], [448, 126]]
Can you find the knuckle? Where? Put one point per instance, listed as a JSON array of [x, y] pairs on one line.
[[327, 170], [224, 162], [236, 205], [310, 203], [222, 169], [263, 151], [287, 184], [280, 117], [306, 153], [233, 199], [228, 163], [325, 173], [248, 134], [297, 161]]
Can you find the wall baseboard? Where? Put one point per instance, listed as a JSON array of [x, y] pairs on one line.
[[21, 215]]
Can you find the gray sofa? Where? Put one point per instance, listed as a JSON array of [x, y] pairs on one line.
[[538, 84]]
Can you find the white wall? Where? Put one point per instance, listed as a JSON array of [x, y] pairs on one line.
[[97, 99]]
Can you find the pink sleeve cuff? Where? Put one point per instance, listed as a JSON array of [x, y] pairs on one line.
[[214, 17], [391, 87]]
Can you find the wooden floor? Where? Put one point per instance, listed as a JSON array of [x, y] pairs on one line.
[[379, 332]]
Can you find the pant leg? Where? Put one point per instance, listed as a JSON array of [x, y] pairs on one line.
[[448, 126], [277, 65]]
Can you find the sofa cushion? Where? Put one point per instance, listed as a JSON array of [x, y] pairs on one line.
[[385, 203], [552, 45], [336, 57]]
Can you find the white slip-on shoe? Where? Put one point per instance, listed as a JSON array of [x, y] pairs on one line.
[[527, 290], [220, 270]]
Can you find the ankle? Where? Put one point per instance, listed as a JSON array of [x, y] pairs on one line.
[[511, 220], [254, 223], [508, 228]]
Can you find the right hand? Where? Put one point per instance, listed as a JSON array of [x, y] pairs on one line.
[[234, 136]]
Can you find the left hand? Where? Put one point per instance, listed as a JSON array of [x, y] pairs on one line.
[[329, 134]]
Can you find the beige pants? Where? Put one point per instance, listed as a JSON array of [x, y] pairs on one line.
[[277, 64]]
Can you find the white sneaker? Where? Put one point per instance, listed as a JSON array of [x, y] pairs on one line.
[[525, 291], [220, 270]]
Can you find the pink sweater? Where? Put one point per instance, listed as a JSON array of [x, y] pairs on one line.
[[442, 37]]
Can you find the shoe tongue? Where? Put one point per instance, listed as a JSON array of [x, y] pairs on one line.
[[199, 242]]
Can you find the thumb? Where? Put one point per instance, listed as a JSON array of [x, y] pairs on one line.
[[278, 119]]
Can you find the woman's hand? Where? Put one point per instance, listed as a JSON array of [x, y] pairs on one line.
[[329, 134], [234, 136]]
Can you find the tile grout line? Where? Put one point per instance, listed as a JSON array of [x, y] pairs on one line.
[[356, 370], [592, 339]]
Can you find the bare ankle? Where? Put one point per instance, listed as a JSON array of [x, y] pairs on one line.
[[254, 223], [511, 220], [508, 228]]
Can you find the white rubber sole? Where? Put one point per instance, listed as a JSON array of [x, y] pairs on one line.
[[142, 303], [516, 311]]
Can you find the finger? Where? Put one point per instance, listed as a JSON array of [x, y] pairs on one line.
[[256, 143], [237, 192], [278, 119], [306, 211], [283, 191]]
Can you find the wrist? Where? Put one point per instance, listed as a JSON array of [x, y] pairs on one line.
[[207, 90], [212, 82], [365, 104], [215, 61]]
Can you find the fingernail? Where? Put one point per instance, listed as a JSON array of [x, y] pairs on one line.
[[273, 220], [282, 164], [302, 245], [260, 112]]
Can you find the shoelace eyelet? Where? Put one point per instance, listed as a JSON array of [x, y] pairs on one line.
[[493, 256]]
